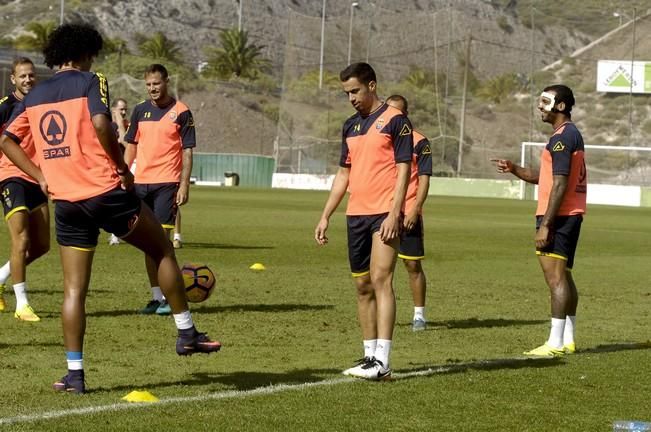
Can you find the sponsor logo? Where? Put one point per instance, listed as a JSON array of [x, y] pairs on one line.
[[426, 150], [53, 127], [558, 147], [357, 128], [55, 153], [406, 130]]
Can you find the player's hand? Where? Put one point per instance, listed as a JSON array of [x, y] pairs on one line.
[[410, 220], [126, 180], [503, 165], [43, 184], [390, 228], [116, 114], [182, 195], [320, 232], [543, 237]]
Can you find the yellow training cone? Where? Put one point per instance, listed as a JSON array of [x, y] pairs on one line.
[[140, 396], [258, 266]]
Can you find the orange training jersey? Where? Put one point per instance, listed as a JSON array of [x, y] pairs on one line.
[[421, 164], [59, 111], [371, 147], [161, 135], [7, 167], [564, 155]]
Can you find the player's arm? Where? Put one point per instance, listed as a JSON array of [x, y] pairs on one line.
[[530, 175], [130, 151], [421, 196], [337, 193], [15, 153], [559, 186], [183, 193], [109, 142]]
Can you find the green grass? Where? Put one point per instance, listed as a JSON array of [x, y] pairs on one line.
[[295, 323]]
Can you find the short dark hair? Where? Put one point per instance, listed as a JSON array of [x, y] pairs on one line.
[[563, 94], [156, 67], [116, 100], [362, 71], [401, 99], [71, 42], [18, 61]]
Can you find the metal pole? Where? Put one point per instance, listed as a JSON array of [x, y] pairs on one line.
[[350, 29], [61, 15], [463, 105], [323, 10], [630, 107], [531, 80], [447, 86], [239, 17]]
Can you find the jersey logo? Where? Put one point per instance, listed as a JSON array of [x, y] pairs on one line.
[[426, 150], [53, 129], [3, 99], [558, 147], [406, 130], [103, 88], [357, 128], [379, 124], [172, 115]]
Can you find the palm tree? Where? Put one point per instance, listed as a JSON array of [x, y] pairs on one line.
[[159, 47], [40, 31], [499, 88], [236, 57]]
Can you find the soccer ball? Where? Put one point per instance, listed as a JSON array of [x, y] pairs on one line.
[[199, 282]]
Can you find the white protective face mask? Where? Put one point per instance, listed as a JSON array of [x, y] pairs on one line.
[[544, 96]]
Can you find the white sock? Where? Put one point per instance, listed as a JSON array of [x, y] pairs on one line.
[[20, 289], [568, 333], [556, 333], [177, 236], [382, 351], [183, 320], [5, 272], [157, 294], [419, 313], [369, 347]]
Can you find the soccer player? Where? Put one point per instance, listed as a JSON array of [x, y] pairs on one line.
[[120, 124], [160, 138], [25, 205], [412, 245], [83, 169], [376, 154], [562, 188]]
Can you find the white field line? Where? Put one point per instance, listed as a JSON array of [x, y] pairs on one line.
[[259, 391]]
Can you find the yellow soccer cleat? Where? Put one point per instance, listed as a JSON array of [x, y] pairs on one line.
[[3, 305], [545, 350], [569, 348], [26, 313]]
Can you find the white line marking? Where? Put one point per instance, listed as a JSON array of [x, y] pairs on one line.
[[267, 390]]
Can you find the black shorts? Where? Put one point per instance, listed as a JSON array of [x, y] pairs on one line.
[[412, 243], [19, 194], [360, 241], [564, 240], [161, 198], [78, 223]]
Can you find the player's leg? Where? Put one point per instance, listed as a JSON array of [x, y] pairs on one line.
[[18, 225], [148, 236], [571, 231], [178, 238], [412, 251]]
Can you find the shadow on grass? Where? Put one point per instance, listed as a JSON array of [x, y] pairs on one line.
[[31, 344], [477, 323], [623, 346], [240, 380], [193, 245], [481, 365], [290, 307]]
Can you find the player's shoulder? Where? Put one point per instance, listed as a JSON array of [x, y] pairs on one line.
[[141, 106], [419, 136], [181, 106], [352, 121], [7, 102]]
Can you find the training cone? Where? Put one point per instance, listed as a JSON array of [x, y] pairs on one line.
[[258, 267], [140, 396]]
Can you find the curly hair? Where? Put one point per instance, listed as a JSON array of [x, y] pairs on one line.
[[71, 42]]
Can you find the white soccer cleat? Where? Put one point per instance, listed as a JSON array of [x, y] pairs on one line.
[[372, 369]]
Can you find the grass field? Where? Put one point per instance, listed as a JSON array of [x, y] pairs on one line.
[[289, 331]]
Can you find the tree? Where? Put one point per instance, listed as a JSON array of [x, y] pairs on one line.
[[159, 47], [497, 89], [236, 57], [40, 31]]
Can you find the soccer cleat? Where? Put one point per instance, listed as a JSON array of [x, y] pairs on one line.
[[3, 305], [164, 308], [373, 369], [73, 382], [569, 348], [545, 350], [198, 343], [26, 313], [114, 240], [178, 244], [418, 324], [151, 308], [358, 363]]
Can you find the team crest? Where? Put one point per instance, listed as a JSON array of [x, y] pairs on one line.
[[427, 150], [379, 124], [172, 115], [558, 147]]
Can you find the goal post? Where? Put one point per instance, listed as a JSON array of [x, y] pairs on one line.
[[606, 164]]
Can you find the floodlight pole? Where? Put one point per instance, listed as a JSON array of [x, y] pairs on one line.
[[353, 5], [630, 96], [462, 121], [323, 10]]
